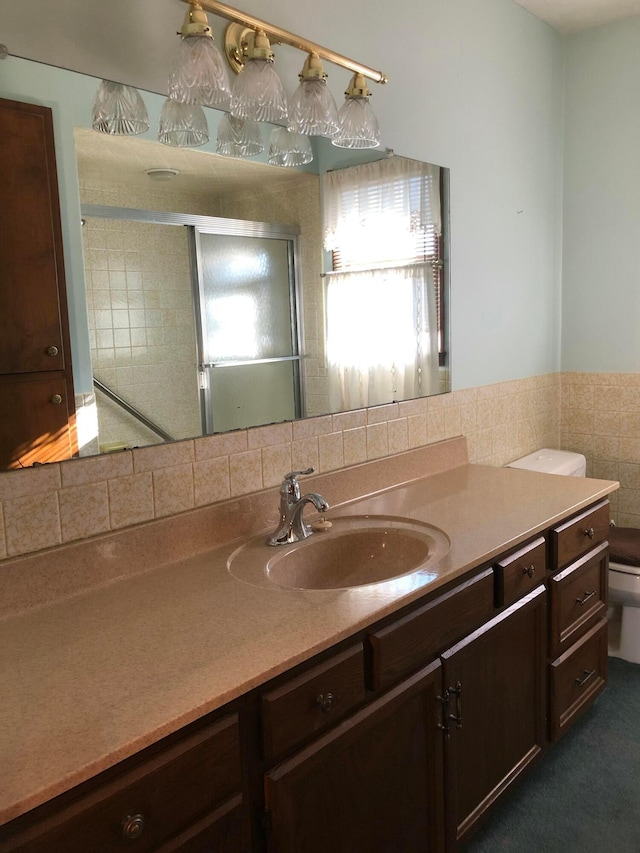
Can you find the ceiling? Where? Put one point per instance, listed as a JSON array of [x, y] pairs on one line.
[[125, 159], [571, 16]]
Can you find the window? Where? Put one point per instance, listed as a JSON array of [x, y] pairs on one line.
[[384, 296]]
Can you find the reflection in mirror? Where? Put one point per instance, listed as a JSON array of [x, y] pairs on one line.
[[193, 328], [135, 288], [170, 309], [383, 225]]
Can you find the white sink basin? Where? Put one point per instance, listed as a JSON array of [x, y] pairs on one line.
[[355, 551]]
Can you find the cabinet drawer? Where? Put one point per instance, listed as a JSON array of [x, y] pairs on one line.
[[578, 535], [415, 640], [222, 831], [578, 597], [577, 677], [312, 702], [517, 574], [154, 801]]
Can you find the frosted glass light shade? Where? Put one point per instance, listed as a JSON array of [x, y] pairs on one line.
[[199, 74], [288, 148], [358, 125], [257, 93], [313, 110], [239, 137], [119, 109], [182, 125]]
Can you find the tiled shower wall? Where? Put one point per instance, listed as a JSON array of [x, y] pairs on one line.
[[142, 327], [62, 502]]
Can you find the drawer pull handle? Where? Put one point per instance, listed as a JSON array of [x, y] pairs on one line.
[[530, 571], [587, 675], [587, 596], [133, 826], [590, 532], [325, 701], [52, 351], [56, 399]]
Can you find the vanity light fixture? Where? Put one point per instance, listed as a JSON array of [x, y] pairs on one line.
[[312, 109], [119, 109], [257, 92], [182, 125], [239, 137], [199, 74], [289, 148], [358, 124]]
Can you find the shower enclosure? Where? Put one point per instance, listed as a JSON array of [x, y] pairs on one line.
[[195, 323]]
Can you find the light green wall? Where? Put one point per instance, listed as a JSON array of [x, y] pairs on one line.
[[601, 269]]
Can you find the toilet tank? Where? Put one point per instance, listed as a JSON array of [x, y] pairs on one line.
[[553, 462]]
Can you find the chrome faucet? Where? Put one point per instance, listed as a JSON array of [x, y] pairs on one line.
[[292, 527]]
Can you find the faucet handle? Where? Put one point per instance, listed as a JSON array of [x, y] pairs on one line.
[[292, 476], [290, 486]]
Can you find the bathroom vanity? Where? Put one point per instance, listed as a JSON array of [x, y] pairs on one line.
[[181, 709]]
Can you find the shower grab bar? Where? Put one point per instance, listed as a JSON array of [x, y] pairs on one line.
[[132, 410]]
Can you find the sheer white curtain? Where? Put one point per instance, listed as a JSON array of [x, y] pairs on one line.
[[382, 225], [380, 346]]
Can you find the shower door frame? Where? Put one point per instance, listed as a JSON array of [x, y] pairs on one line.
[[247, 228]]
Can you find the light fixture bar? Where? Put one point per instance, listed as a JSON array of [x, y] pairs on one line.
[[281, 36]]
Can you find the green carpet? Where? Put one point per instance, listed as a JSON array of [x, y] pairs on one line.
[[584, 795]]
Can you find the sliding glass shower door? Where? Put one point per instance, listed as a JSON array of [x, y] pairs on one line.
[[249, 329]]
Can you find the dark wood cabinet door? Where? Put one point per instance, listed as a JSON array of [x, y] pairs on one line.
[[32, 285], [496, 683], [35, 415], [371, 785]]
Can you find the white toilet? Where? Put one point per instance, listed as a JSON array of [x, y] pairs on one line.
[[624, 594], [624, 578]]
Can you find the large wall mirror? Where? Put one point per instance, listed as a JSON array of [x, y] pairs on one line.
[[221, 293]]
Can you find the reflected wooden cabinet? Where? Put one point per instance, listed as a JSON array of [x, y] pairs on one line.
[[35, 427], [35, 355]]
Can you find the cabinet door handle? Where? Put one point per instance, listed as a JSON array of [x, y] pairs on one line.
[[325, 701], [457, 692], [529, 570], [132, 826], [56, 399], [52, 351], [587, 675], [587, 596], [590, 532], [444, 701]]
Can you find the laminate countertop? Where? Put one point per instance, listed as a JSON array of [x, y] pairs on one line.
[[92, 677]]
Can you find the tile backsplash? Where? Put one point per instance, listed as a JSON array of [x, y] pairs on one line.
[[64, 502], [601, 419]]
